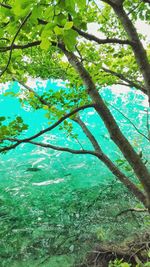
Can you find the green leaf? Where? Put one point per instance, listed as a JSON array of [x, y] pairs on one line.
[[125, 264], [70, 6], [48, 30], [19, 119], [61, 19], [68, 25], [24, 127], [70, 39], [81, 3], [61, 4], [21, 8], [45, 107], [58, 30], [83, 25], [49, 13], [45, 44]]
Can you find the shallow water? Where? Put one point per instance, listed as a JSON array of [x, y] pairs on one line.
[[49, 196]]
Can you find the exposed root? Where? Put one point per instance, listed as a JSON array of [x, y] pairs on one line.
[[132, 252]]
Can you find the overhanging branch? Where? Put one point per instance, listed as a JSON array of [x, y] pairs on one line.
[[109, 163], [146, 1], [115, 132], [123, 78], [23, 46], [92, 37], [19, 141], [58, 148], [42, 101]]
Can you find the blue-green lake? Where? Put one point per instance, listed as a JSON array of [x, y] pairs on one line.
[[48, 196]]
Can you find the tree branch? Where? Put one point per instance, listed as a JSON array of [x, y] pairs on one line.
[[122, 83], [115, 133], [99, 154], [123, 78], [45, 130], [84, 34], [109, 164], [128, 83], [132, 210], [146, 1], [88, 133], [65, 149], [130, 122], [24, 46], [11, 46], [137, 46], [5, 6], [92, 37], [7, 148], [44, 102]]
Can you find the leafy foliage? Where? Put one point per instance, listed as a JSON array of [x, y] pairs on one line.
[[11, 129]]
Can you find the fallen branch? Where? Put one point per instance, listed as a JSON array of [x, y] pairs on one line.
[[131, 210]]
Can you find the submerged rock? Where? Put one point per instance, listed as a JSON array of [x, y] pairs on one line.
[[33, 169], [56, 181]]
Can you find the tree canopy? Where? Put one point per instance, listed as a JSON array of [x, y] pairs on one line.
[[51, 39]]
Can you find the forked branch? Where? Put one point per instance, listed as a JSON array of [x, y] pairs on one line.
[[66, 116]]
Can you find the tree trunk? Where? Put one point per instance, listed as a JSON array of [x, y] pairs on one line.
[[115, 133], [137, 46]]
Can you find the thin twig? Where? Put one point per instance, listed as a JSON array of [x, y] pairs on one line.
[[130, 122], [40, 98], [12, 43], [5, 6], [133, 9], [4, 39], [123, 78], [80, 55], [79, 142], [147, 123]]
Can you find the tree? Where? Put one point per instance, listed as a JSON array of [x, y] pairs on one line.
[[35, 37]]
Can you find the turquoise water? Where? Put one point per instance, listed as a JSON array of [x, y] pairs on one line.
[[61, 165], [59, 197]]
